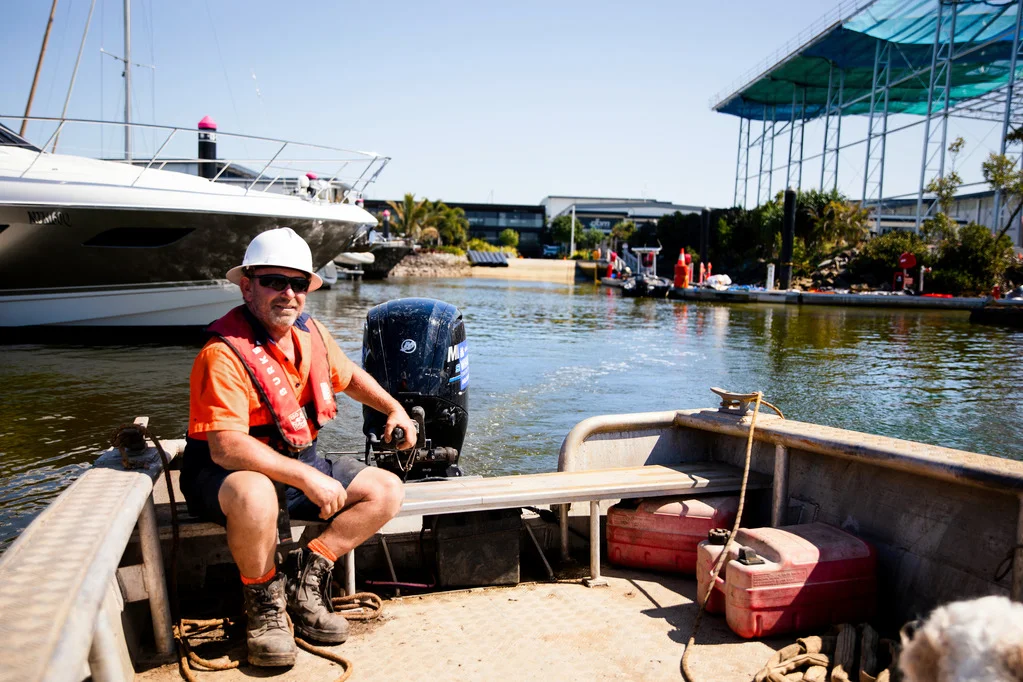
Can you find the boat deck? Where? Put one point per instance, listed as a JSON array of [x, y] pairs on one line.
[[634, 629]]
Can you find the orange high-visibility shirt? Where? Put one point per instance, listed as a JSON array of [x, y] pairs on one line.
[[222, 397]]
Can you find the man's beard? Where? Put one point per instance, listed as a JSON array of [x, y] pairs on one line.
[[282, 317]]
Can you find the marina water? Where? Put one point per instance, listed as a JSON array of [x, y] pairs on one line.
[[542, 358]]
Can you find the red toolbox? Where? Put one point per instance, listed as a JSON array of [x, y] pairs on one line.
[[662, 533], [796, 578]]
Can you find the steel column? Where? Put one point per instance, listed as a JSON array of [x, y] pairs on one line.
[[749, 144], [938, 85], [877, 132], [796, 126], [740, 171], [760, 170], [770, 161], [766, 165], [832, 129], [997, 216]]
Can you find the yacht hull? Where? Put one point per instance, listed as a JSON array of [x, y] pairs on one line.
[[43, 246], [185, 304]]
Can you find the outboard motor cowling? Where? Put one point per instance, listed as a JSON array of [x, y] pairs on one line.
[[416, 349]]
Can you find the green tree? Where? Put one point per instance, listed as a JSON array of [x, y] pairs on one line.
[[589, 239], [841, 223], [622, 232], [941, 226], [972, 261], [1003, 176], [879, 258], [508, 237], [409, 216], [561, 229], [430, 235], [451, 224]]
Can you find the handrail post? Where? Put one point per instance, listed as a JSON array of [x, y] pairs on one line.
[[109, 660], [350, 573], [780, 486], [152, 159], [263, 170], [1017, 560], [563, 527], [594, 580], [224, 168], [156, 583], [42, 150]]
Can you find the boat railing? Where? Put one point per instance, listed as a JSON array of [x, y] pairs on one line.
[[631, 261], [258, 164]]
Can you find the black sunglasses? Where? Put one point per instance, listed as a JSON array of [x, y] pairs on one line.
[[280, 282]]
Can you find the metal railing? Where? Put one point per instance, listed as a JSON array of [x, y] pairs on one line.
[[844, 11], [282, 166]]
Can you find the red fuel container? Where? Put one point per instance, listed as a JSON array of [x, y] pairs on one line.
[[811, 576], [662, 533]]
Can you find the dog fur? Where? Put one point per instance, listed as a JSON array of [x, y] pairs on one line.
[[979, 640]]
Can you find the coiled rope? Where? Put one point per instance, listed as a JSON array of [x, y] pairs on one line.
[[358, 606], [684, 663]]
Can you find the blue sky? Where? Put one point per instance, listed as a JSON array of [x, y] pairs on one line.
[[475, 101]]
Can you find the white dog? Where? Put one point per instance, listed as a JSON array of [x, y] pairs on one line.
[[980, 640]]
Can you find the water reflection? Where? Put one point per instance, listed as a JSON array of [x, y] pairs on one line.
[[546, 356]]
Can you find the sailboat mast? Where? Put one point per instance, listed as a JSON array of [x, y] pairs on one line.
[[127, 80], [39, 67]]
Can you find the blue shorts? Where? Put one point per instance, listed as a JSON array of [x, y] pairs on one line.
[[201, 479]]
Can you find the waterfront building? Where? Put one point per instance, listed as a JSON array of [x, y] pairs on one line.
[[603, 213], [487, 221]]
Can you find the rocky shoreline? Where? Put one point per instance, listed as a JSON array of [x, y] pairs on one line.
[[432, 265]]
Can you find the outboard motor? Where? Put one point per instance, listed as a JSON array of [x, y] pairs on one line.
[[415, 348]]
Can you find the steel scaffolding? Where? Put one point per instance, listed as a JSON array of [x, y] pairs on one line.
[[950, 58]]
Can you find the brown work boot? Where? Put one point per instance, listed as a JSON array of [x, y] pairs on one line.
[[268, 637], [309, 601]]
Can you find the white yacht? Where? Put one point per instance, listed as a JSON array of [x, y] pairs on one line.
[[94, 243]]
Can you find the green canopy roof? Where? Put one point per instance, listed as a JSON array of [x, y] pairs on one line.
[[981, 64]]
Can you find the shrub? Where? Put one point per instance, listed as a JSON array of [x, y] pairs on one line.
[[508, 237], [879, 257], [971, 262], [478, 244], [453, 250]]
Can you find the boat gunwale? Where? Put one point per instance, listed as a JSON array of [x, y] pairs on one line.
[[933, 461], [68, 642]]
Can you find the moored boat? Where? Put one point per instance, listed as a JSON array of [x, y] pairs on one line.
[[1006, 312], [76, 231]]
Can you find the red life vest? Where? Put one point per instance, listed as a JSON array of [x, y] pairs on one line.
[[246, 337]]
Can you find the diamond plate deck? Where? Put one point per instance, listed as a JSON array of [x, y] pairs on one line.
[[632, 630]]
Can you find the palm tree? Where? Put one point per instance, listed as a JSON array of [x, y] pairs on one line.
[[409, 215]]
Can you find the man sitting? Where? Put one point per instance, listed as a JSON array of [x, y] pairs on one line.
[[260, 390]]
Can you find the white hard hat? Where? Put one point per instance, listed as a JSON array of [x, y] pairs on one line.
[[281, 248]]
